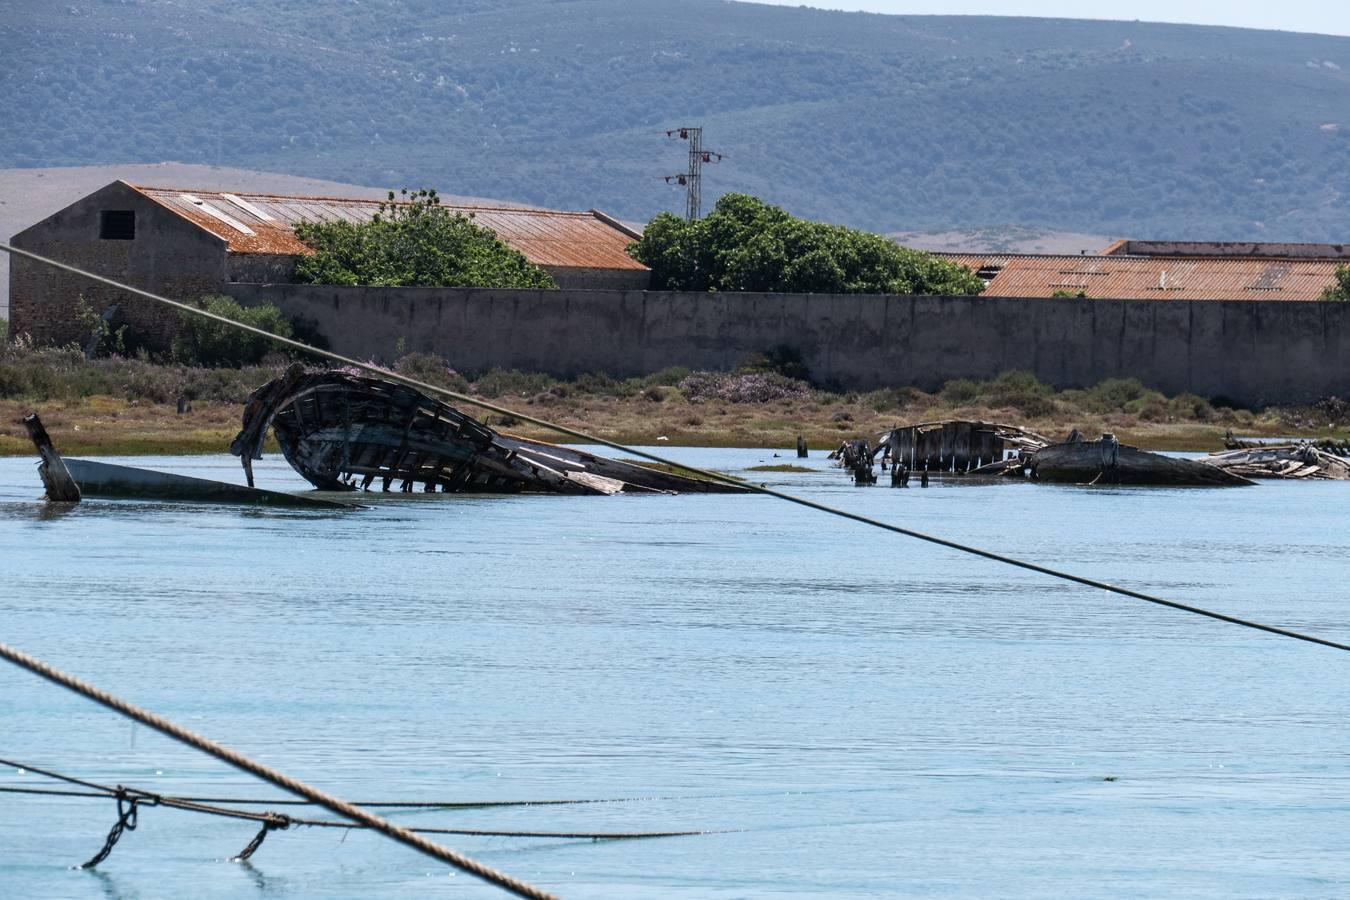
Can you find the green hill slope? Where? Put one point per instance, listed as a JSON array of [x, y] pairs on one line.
[[886, 122]]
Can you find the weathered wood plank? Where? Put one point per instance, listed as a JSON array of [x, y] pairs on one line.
[[61, 487]]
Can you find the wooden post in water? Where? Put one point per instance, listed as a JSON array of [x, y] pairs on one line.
[[801, 447], [61, 488]]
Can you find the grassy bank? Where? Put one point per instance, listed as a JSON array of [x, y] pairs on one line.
[[130, 406]]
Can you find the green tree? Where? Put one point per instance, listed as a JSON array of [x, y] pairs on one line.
[[745, 244], [203, 342], [1341, 289], [415, 242]]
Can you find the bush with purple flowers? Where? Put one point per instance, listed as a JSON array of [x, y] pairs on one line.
[[754, 387]]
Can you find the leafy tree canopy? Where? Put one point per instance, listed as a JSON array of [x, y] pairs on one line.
[[1341, 289], [413, 243], [745, 244], [203, 342]]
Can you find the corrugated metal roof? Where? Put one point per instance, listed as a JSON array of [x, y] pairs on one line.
[[263, 223], [1151, 278]]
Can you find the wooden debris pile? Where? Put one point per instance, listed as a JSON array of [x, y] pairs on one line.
[[1298, 461], [1326, 445]]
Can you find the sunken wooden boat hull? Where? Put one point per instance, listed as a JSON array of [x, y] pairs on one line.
[[956, 446], [1107, 461], [348, 432], [100, 479]]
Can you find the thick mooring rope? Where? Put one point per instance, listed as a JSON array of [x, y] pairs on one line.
[[704, 473], [279, 779]]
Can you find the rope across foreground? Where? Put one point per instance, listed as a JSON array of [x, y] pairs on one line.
[[272, 776]]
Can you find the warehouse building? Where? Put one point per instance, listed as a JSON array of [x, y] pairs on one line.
[[1165, 270], [187, 243]]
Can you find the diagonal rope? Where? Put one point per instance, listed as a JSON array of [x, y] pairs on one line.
[[272, 776], [704, 473]]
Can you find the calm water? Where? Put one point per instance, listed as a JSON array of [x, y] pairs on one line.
[[865, 714]]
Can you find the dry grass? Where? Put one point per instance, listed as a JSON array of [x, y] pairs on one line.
[[110, 426], [655, 411]]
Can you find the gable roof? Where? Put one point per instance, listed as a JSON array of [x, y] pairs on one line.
[[264, 223], [1151, 277]]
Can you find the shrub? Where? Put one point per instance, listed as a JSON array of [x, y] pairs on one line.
[[432, 369], [597, 384], [1190, 407], [1153, 402], [413, 243], [1112, 394], [959, 392], [1016, 389], [510, 382], [881, 401], [203, 342], [670, 377], [1335, 409]]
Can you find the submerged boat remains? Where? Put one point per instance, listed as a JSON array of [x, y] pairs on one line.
[[1107, 461], [981, 449], [1306, 460], [346, 432], [958, 447]]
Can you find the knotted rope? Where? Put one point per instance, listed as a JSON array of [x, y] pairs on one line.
[[128, 812], [273, 822]]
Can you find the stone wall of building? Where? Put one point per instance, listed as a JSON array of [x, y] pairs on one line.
[[167, 255], [1251, 352]]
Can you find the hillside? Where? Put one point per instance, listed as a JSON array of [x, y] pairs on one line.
[[894, 123]]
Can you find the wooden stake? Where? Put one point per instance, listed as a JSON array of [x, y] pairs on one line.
[[61, 488]]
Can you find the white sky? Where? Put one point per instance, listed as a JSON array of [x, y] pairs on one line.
[[1318, 16]]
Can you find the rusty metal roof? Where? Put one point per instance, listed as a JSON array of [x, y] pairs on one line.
[[263, 223], [1151, 278]]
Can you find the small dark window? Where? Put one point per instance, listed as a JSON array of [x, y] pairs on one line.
[[117, 224]]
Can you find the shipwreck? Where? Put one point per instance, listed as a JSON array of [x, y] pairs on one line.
[[1307, 460], [347, 432], [980, 449]]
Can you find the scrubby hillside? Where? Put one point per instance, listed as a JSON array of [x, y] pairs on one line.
[[886, 122]]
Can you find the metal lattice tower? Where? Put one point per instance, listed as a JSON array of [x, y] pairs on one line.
[[692, 180]]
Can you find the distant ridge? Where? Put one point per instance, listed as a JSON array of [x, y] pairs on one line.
[[887, 122]]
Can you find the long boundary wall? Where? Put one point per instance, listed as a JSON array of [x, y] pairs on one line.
[[1249, 351]]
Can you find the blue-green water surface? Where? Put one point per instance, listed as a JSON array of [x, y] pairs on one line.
[[859, 714]]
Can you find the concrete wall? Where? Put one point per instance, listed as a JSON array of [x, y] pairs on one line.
[[1251, 351], [588, 279], [168, 255]]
